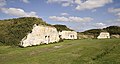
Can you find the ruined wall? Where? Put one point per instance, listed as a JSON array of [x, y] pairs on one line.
[[68, 35], [115, 36], [40, 35], [103, 35], [83, 36]]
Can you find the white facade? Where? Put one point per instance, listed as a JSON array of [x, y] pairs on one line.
[[68, 35], [40, 35], [104, 35]]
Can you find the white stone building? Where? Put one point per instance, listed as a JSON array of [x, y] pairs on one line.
[[68, 35], [104, 35], [40, 34]]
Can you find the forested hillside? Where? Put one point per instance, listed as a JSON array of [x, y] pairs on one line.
[[110, 29], [13, 30], [113, 30], [62, 27]]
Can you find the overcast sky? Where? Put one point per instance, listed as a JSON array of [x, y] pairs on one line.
[[79, 15]]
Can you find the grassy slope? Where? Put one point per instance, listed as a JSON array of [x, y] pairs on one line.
[[71, 52]]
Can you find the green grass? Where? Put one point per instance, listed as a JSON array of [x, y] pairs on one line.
[[87, 51]]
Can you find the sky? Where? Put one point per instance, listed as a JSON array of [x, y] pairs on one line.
[[79, 15]]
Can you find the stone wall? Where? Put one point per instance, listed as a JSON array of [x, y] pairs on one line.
[[40, 35], [103, 35], [115, 36], [68, 35], [83, 36]]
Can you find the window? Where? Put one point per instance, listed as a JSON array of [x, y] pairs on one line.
[[48, 36], [59, 36], [73, 36], [45, 36]]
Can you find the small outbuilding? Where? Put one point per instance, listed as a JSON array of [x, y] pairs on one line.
[[104, 35], [68, 35]]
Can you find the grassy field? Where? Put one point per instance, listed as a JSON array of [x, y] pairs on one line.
[[87, 51]]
